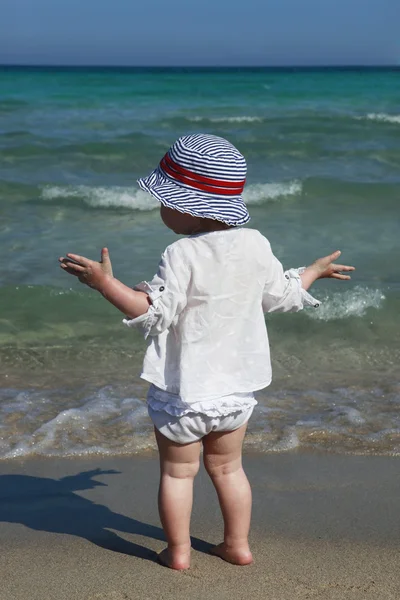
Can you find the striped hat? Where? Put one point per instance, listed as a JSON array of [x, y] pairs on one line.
[[203, 175]]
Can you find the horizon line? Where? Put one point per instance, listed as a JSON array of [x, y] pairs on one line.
[[247, 66]]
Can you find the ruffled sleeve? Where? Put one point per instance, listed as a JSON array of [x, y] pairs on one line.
[[283, 290], [167, 294], [307, 298]]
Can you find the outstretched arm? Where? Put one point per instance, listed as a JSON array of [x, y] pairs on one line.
[[286, 291], [324, 267], [99, 276]]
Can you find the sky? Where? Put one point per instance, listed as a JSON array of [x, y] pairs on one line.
[[199, 33]]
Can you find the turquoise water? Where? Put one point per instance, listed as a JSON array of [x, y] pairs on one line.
[[323, 152]]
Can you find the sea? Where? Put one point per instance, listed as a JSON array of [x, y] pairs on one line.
[[323, 154]]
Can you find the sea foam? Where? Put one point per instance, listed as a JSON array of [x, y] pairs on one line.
[[351, 303], [103, 197], [262, 192], [234, 119], [131, 198], [111, 421], [101, 424], [383, 117]]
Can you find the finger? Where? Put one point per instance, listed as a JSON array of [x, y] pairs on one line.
[[70, 265], [81, 259], [63, 258], [326, 260], [106, 262], [68, 270], [105, 255], [334, 255], [340, 276], [343, 268]]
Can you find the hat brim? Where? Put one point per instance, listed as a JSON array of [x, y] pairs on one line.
[[230, 210]]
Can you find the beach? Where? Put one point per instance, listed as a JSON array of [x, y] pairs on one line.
[[324, 527]]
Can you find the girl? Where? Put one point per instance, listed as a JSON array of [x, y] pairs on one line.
[[204, 315]]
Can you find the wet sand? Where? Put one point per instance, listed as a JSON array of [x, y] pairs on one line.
[[324, 527]]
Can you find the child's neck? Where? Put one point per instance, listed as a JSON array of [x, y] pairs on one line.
[[209, 225]]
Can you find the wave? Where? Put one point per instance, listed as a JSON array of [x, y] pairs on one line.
[[237, 119], [103, 197], [351, 303], [81, 429], [134, 199], [257, 193], [382, 117], [111, 421]]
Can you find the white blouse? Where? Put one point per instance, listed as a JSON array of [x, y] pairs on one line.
[[208, 337]]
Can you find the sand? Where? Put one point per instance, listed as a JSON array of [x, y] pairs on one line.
[[324, 527]]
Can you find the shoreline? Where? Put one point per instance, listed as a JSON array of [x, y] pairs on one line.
[[324, 527], [106, 420]]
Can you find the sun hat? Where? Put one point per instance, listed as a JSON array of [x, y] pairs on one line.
[[203, 175]]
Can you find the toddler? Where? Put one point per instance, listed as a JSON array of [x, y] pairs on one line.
[[203, 313]]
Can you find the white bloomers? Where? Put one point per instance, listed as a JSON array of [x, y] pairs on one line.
[[194, 426], [185, 423]]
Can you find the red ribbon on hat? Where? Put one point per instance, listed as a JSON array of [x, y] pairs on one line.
[[200, 182]]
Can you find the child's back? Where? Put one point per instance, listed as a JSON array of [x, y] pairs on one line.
[[207, 320]]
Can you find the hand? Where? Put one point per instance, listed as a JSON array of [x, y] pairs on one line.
[[90, 272], [325, 267]]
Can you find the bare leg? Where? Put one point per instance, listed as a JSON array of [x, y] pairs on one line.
[[179, 463], [223, 461]]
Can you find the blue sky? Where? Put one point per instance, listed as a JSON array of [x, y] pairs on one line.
[[206, 32]]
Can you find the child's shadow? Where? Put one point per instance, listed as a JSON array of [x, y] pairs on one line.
[[51, 505]]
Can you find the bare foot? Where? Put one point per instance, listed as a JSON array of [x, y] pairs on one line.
[[174, 560], [231, 555]]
